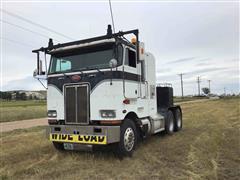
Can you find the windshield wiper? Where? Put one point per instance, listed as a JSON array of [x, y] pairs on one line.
[[80, 70], [75, 70], [99, 70]]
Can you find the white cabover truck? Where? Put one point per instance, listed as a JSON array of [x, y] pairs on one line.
[[103, 91]]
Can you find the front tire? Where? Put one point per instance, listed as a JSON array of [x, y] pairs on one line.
[[169, 123], [128, 138]]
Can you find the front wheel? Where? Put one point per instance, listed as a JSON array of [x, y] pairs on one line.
[[128, 138]]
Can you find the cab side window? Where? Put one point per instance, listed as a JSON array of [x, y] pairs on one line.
[[130, 58]]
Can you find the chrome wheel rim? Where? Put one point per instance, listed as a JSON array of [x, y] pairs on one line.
[[129, 138]]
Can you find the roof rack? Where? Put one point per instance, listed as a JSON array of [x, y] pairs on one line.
[[109, 35]]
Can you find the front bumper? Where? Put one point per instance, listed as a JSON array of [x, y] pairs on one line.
[[84, 134]]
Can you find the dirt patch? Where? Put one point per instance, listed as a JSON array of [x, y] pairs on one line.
[[9, 126]]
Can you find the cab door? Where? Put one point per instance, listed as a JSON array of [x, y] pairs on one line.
[[130, 76]]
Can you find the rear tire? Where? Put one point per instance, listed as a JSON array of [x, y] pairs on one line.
[[58, 146], [128, 139], [169, 123], [178, 120]]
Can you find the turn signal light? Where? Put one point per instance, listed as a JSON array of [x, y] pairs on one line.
[[133, 40]]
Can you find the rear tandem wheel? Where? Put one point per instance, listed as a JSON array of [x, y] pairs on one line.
[[177, 119], [169, 123]]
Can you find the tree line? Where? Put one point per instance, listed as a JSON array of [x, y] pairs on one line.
[[17, 96]]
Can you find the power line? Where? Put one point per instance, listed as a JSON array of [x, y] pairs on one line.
[[110, 6], [17, 42], [26, 29], [33, 23]]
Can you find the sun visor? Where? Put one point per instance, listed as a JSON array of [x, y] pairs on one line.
[[77, 46]]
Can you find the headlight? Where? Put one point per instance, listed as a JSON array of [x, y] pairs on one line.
[[52, 113], [108, 113]]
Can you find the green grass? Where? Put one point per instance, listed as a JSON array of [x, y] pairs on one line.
[[22, 103], [21, 110], [206, 148]]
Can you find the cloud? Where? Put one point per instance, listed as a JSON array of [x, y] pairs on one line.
[[235, 60], [182, 60], [189, 59], [204, 64], [163, 70], [188, 75], [205, 70]]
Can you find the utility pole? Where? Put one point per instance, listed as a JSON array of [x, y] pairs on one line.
[[198, 81], [181, 83], [224, 91], [209, 85]]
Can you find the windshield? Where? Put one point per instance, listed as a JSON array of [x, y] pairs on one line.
[[96, 57]]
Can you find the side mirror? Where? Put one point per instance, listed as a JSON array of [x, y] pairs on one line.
[[113, 63], [39, 70]]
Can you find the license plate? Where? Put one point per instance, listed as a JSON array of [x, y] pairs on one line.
[[68, 146], [76, 138]]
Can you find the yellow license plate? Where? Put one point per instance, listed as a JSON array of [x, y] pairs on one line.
[[76, 138]]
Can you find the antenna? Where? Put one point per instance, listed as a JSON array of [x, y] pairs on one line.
[[110, 6]]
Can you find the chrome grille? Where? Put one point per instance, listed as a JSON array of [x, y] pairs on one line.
[[76, 104]]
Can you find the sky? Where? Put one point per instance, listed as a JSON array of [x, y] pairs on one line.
[[199, 38]]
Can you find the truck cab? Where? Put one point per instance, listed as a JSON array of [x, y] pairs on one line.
[[103, 91]]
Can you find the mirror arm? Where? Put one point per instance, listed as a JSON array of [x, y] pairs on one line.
[[137, 45], [38, 62], [42, 83], [45, 56]]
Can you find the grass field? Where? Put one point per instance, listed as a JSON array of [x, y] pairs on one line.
[[179, 99], [20, 110], [207, 148]]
